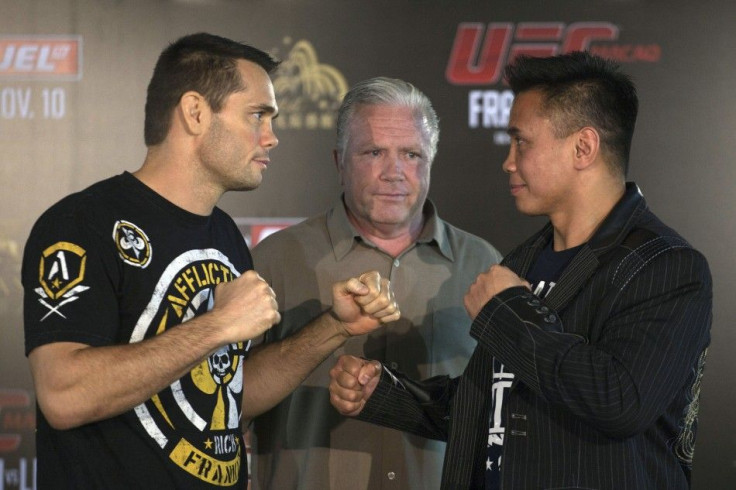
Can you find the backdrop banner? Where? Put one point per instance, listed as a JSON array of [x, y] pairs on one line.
[[73, 78]]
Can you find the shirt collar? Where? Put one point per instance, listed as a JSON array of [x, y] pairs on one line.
[[344, 236]]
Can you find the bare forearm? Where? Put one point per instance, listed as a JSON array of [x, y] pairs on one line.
[[360, 305], [77, 384], [274, 370]]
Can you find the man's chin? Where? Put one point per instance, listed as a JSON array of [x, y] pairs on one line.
[[245, 186], [398, 219], [527, 210]]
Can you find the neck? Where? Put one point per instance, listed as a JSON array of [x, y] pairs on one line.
[[173, 179], [578, 226], [392, 239]]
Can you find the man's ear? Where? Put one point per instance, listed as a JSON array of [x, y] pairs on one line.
[[195, 113], [338, 165], [587, 147]]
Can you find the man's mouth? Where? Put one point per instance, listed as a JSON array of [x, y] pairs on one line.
[[516, 188]]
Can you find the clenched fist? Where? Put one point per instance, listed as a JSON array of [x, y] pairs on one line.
[[246, 307], [362, 304], [352, 382], [489, 284]]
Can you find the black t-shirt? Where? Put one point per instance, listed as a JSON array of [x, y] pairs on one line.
[[116, 264], [547, 269]]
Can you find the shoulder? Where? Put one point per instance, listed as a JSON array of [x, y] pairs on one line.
[[309, 232], [464, 242], [81, 209], [466, 239], [230, 237], [76, 227], [653, 246], [222, 220]]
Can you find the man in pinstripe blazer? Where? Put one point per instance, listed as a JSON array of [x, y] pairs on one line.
[[591, 335]]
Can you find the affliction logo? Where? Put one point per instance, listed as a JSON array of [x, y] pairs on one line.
[[480, 53], [196, 420], [132, 244], [60, 274], [309, 92]]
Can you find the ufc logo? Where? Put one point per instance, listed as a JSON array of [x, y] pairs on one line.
[[479, 60]]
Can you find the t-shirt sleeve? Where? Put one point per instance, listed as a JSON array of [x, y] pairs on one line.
[[69, 277]]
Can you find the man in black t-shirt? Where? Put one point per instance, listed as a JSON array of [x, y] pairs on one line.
[[592, 383], [140, 298]]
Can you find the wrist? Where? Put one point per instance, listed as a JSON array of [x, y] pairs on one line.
[[214, 332], [340, 327]]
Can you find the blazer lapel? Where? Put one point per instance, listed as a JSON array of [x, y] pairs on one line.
[[575, 275], [610, 233]]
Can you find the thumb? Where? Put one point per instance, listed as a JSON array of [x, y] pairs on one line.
[[352, 287], [369, 371]]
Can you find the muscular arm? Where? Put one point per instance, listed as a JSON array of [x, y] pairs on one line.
[[274, 370], [77, 384]]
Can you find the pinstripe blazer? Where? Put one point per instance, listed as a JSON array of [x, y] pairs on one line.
[[607, 368]]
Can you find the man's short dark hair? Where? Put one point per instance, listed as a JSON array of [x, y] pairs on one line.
[[201, 62], [579, 90]]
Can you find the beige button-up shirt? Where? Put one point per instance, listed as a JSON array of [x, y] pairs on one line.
[[303, 442]]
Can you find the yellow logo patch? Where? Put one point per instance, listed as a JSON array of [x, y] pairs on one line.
[[62, 267], [132, 244], [60, 273]]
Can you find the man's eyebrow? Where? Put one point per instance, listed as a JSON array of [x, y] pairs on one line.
[[513, 131], [266, 108]]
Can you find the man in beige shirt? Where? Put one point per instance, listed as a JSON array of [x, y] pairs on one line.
[[387, 133]]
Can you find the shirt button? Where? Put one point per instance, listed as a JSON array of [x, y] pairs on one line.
[[391, 475], [396, 262], [394, 365]]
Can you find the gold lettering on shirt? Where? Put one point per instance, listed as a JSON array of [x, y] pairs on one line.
[[205, 467]]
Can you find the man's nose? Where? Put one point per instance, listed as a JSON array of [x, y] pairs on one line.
[[269, 139], [393, 168]]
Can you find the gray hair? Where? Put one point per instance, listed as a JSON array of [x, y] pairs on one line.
[[391, 92]]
